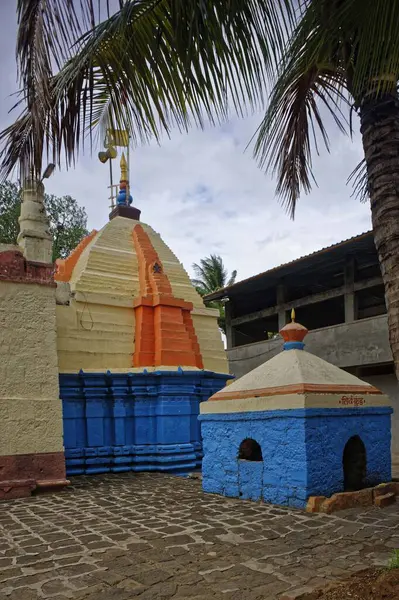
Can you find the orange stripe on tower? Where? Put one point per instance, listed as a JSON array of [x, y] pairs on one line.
[[65, 266], [165, 332]]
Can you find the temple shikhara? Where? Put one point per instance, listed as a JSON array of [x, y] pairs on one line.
[[105, 361]]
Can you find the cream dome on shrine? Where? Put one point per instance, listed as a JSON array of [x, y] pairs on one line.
[[294, 378]]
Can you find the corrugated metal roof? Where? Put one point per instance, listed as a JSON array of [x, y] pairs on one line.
[[275, 270]]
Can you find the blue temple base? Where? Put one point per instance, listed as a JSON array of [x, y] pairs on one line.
[[302, 452], [135, 422]]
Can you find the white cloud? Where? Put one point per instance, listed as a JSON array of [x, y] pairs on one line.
[[204, 194]]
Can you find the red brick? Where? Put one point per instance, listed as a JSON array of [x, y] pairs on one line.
[[386, 500], [386, 488], [315, 503], [345, 500]]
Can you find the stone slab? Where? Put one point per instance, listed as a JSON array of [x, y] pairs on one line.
[[158, 536]]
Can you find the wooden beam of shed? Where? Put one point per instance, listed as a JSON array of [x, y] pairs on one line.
[[312, 299]]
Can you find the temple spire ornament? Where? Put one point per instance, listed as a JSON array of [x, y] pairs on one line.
[[124, 198], [293, 334]]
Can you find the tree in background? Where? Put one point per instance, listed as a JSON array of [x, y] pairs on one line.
[[211, 275], [68, 220]]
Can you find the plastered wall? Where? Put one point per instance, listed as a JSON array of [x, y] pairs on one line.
[[30, 408]]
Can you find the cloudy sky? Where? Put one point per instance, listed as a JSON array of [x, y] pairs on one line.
[[205, 194]]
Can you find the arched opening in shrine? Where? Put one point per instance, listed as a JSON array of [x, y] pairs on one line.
[[250, 450], [354, 464]]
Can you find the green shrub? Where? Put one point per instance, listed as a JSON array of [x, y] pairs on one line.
[[394, 560]]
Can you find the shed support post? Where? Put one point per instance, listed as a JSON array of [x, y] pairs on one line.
[[282, 313], [350, 296], [230, 331]]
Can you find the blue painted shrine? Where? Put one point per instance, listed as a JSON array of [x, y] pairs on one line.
[[295, 427], [146, 421]]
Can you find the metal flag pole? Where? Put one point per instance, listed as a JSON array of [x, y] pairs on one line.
[[111, 184], [128, 167], [124, 102]]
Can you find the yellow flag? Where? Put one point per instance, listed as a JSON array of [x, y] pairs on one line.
[[117, 137]]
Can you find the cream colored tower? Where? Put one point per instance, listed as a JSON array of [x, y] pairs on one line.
[[34, 237]]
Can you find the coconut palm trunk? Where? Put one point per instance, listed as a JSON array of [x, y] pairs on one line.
[[380, 132]]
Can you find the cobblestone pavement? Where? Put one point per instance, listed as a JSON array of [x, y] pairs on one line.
[[153, 536]]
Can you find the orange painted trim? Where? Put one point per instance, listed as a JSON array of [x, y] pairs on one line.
[[165, 332], [151, 275], [188, 322], [144, 351], [162, 300], [65, 266], [301, 388]]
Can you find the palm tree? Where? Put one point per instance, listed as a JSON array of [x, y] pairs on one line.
[[150, 66], [211, 275], [343, 57]]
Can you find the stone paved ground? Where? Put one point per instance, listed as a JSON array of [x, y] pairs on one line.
[[153, 536]]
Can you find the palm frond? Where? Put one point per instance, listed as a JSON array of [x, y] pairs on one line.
[[359, 180], [369, 37], [339, 49], [311, 78], [153, 65], [17, 142], [47, 30], [232, 278]]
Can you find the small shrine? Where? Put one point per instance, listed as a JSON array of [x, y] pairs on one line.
[[295, 427]]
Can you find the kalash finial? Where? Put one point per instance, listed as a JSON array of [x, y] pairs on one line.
[[293, 334], [122, 199]]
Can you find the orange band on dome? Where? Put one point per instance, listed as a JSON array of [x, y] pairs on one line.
[[65, 266], [300, 388]]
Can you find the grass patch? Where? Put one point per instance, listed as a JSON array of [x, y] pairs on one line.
[[394, 560]]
